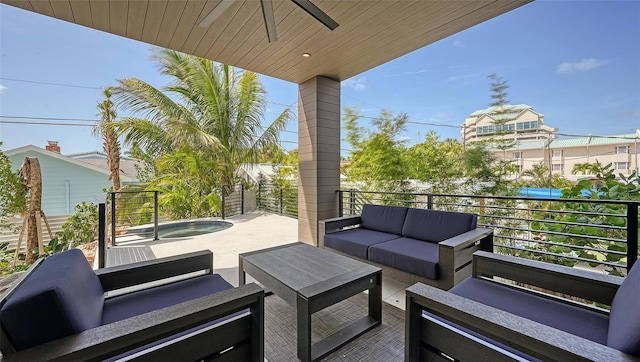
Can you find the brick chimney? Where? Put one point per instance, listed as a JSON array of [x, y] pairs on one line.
[[53, 146]]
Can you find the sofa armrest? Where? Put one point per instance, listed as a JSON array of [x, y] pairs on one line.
[[478, 236], [456, 254], [524, 335], [128, 275], [585, 284], [328, 226], [245, 331]]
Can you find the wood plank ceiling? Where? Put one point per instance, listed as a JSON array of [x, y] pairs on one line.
[[371, 32]]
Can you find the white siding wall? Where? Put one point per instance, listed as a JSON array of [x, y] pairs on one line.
[[84, 184]]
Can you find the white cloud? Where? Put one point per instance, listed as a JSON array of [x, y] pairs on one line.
[[405, 73], [458, 43], [357, 84], [2, 88], [584, 65]]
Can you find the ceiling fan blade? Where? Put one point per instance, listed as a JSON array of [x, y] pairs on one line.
[[314, 11], [222, 6], [269, 20]]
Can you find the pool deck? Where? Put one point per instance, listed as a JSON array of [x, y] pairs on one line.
[[252, 231]]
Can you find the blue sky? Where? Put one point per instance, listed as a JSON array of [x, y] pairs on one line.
[[576, 62]]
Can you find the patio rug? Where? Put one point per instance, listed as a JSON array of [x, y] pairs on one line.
[[384, 343]]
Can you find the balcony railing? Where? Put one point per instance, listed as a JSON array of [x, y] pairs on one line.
[[595, 233], [577, 232]]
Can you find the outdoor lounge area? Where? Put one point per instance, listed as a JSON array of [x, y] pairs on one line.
[[400, 328], [278, 295]]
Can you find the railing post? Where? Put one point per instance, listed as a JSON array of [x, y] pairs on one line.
[[352, 202], [259, 202], [223, 201], [155, 215], [113, 219], [102, 235], [340, 204], [429, 201], [632, 234], [241, 199], [281, 200]]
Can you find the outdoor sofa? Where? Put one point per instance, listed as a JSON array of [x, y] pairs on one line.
[[171, 308], [411, 245], [489, 318]]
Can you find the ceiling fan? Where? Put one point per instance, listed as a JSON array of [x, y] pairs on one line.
[[269, 19]]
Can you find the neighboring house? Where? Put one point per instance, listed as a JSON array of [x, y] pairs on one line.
[[253, 172], [510, 122], [561, 155], [68, 181]]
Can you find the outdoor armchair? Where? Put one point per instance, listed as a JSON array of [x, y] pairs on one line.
[[171, 308], [484, 318]]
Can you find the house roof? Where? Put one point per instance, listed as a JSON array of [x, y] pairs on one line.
[[126, 174], [370, 33], [94, 155], [510, 108], [580, 142]]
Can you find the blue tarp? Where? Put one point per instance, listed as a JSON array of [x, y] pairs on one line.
[[540, 193]]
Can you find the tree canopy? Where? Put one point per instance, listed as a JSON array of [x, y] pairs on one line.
[[197, 130]]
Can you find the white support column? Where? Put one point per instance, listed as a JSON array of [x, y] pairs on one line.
[[319, 154]]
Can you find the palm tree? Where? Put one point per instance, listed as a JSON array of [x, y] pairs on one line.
[[209, 111], [539, 174], [590, 168], [111, 144]]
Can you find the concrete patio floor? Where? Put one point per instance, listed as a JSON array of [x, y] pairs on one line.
[[252, 231]]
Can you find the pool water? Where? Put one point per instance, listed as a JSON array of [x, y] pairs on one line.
[[183, 229]]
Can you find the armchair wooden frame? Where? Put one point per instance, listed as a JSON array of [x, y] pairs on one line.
[[239, 338], [438, 335]]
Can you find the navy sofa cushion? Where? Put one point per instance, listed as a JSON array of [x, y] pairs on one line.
[[147, 300], [411, 255], [387, 219], [624, 320], [574, 320], [436, 225], [63, 296], [356, 241]]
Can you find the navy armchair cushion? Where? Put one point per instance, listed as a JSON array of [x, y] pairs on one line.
[[574, 320], [435, 225], [388, 219], [147, 300], [624, 317], [47, 307]]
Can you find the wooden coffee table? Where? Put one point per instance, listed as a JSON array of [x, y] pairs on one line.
[[311, 279]]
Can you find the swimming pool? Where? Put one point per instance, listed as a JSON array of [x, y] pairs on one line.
[[182, 229]]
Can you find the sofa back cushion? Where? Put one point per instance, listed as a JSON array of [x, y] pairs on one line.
[[63, 296], [624, 334], [436, 225], [388, 219]]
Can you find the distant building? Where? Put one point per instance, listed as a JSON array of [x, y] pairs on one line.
[[70, 180], [533, 142], [561, 155], [509, 122]]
